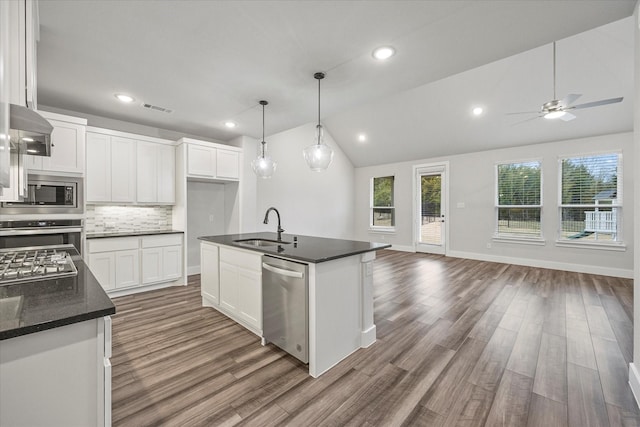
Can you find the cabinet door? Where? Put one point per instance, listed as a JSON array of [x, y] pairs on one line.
[[250, 297], [67, 148], [228, 164], [5, 158], [151, 265], [201, 161], [102, 265], [147, 172], [166, 174], [98, 168], [123, 169], [172, 262], [229, 287], [127, 268], [209, 280]]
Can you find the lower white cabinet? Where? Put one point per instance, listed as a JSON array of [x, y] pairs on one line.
[[231, 281], [130, 262]]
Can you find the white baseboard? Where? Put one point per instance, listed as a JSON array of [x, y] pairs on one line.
[[552, 265], [368, 337], [634, 382], [402, 248], [193, 269]]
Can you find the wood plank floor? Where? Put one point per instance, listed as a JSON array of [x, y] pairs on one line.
[[460, 342]]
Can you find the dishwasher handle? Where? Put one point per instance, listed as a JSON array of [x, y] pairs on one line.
[[282, 271]]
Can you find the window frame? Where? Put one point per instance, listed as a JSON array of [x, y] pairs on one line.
[[381, 228], [617, 244], [516, 237]]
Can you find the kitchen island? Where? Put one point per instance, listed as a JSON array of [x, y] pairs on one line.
[[55, 345], [340, 294]]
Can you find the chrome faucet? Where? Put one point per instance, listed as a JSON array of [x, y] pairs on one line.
[[266, 221]]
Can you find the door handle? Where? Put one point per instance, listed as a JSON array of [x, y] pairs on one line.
[[282, 271]]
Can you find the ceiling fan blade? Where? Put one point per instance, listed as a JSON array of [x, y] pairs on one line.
[[570, 99], [523, 112], [596, 103], [567, 117], [526, 120]]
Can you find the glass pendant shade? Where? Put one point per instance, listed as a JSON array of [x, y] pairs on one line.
[[318, 155], [263, 166]]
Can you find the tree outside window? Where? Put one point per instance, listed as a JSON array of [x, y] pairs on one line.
[[382, 211], [519, 199]]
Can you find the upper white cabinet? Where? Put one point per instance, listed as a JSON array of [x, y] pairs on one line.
[[23, 36], [111, 167], [208, 160], [5, 159], [127, 168], [67, 146], [155, 170]]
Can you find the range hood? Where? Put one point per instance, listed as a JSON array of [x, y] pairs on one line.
[[29, 132]]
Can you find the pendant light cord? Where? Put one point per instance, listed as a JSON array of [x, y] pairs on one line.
[[263, 143]]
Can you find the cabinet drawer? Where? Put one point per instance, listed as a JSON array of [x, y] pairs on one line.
[[112, 244], [162, 240], [248, 260]]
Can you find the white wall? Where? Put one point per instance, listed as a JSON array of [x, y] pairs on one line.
[[204, 200], [248, 185], [472, 182], [634, 379], [310, 203]]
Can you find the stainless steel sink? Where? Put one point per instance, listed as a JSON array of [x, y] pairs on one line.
[[261, 242]]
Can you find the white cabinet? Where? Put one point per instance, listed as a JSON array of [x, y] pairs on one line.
[[17, 189], [156, 172], [209, 273], [23, 35], [240, 284], [115, 262], [201, 160], [228, 164], [161, 258], [111, 166], [130, 262], [5, 159], [67, 146], [211, 160]]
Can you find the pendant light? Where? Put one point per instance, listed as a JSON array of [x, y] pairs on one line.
[[263, 166], [319, 155]]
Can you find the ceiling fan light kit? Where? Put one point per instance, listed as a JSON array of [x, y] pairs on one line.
[[263, 166], [318, 155], [559, 109]]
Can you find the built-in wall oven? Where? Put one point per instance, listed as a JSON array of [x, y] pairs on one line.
[[49, 195], [37, 233]]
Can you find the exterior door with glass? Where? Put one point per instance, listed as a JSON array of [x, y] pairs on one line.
[[430, 215]]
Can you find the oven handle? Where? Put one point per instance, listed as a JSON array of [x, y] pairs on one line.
[[52, 230]]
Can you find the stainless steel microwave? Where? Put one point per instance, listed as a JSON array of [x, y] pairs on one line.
[[49, 195]]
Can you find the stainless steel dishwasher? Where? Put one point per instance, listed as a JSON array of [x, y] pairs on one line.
[[285, 305]]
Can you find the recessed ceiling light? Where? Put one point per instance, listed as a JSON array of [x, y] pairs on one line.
[[362, 137], [383, 52], [124, 98], [477, 111], [230, 124]]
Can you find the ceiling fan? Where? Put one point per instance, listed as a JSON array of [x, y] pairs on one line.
[[559, 108]]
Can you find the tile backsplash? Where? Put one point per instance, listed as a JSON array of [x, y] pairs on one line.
[[122, 218]]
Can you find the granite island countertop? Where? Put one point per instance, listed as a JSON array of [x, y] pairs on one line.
[[52, 303], [106, 234], [306, 248]]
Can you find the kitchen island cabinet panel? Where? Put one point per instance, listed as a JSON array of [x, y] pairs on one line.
[[229, 287], [209, 275]]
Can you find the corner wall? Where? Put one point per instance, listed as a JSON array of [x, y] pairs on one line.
[[310, 203], [472, 185]]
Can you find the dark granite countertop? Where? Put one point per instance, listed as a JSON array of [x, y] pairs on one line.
[[130, 233], [307, 248], [48, 304]]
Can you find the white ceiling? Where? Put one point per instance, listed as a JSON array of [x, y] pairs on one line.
[[210, 61]]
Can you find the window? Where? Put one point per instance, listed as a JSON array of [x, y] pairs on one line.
[[519, 200], [591, 198], [382, 213]]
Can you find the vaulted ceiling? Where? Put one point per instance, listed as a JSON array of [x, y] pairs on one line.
[[212, 61]]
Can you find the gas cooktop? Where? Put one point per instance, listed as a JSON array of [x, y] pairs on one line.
[[37, 263]]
